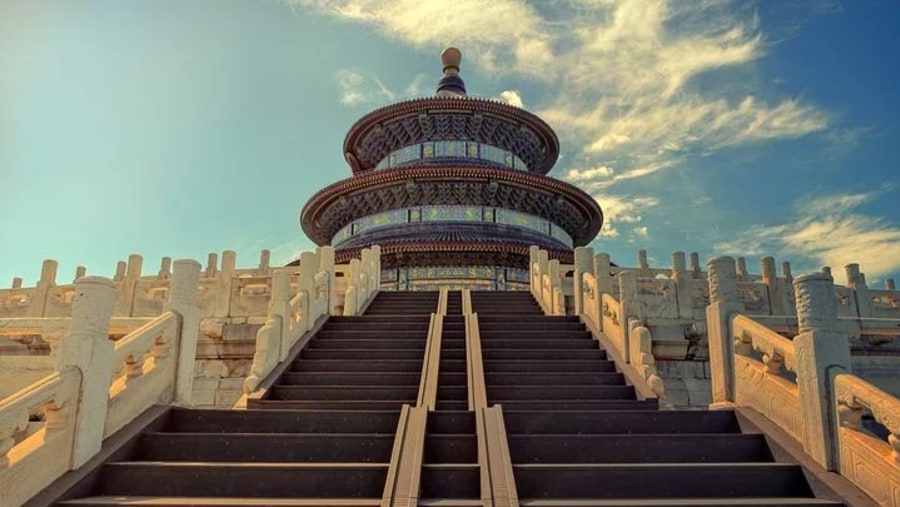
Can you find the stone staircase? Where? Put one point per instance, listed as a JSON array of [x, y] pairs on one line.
[[326, 432]]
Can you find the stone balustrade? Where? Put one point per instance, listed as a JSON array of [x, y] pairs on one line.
[[98, 385], [804, 381], [363, 280]]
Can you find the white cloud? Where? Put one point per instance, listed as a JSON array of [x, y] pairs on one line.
[[641, 231], [624, 210], [356, 88], [512, 98], [828, 231]]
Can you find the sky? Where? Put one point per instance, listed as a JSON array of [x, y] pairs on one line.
[[182, 127]]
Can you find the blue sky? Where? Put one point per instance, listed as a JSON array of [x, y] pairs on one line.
[[177, 128]]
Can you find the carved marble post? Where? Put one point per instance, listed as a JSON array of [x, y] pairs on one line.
[[212, 260], [767, 268], [17, 283], [224, 278], [723, 304], [79, 272], [888, 284], [47, 281], [351, 296], [856, 280], [183, 301], [742, 274], [822, 352], [545, 295], [787, 288], [120, 271], [695, 266], [583, 265], [87, 347], [376, 255], [165, 268], [555, 288], [603, 273], [532, 272], [631, 307], [264, 258], [326, 264], [365, 257], [309, 266], [826, 270], [682, 280], [280, 311], [643, 264], [125, 295]]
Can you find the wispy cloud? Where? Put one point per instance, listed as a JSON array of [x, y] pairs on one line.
[[624, 209], [512, 98], [355, 88], [828, 231], [623, 72]]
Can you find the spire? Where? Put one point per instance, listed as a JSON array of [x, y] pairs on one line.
[[451, 85]]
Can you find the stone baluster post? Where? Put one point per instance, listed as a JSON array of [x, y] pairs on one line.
[[79, 272], [545, 295], [376, 255], [125, 294], [532, 271], [723, 304], [742, 275], [770, 279], [224, 279], [682, 279], [120, 271], [182, 299], [365, 258], [351, 297], [695, 266], [87, 347], [856, 280], [280, 310], [165, 268], [631, 307], [603, 273], [826, 270], [787, 288], [38, 302], [888, 284], [326, 264], [822, 352], [17, 283], [583, 265], [643, 264], [309, 266], [264, 259], [212, 260], [555, 273]]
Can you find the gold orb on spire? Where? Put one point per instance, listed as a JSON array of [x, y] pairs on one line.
[[450, 59]]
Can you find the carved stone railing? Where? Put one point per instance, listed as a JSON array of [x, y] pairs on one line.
[[289, 318], [805, 385], [761, 358], [363, 280], [31, 460], [98, 385], [865, 459], [144, 371]]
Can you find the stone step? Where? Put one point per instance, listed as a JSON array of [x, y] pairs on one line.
[[450, 481], [413, 365], [191, 501], [389, 330], [356, 354], [579, 405], [347, 392], [560, 392], [452, 393], [545, 354], [451, 405], [528, 343], [349, 378], [531, 319], [641, 448], [451, 422], [349, 405], [366, 320], [549, 366], [647, 481], [682, 502], [384, 343], [449, 448], [317, 480], [262, 447], [490, 326], [571, 422], [566, 378], [535, 334], [282, 421]]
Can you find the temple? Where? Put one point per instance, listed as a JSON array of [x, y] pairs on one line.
[[454, 190], [346, 380]]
